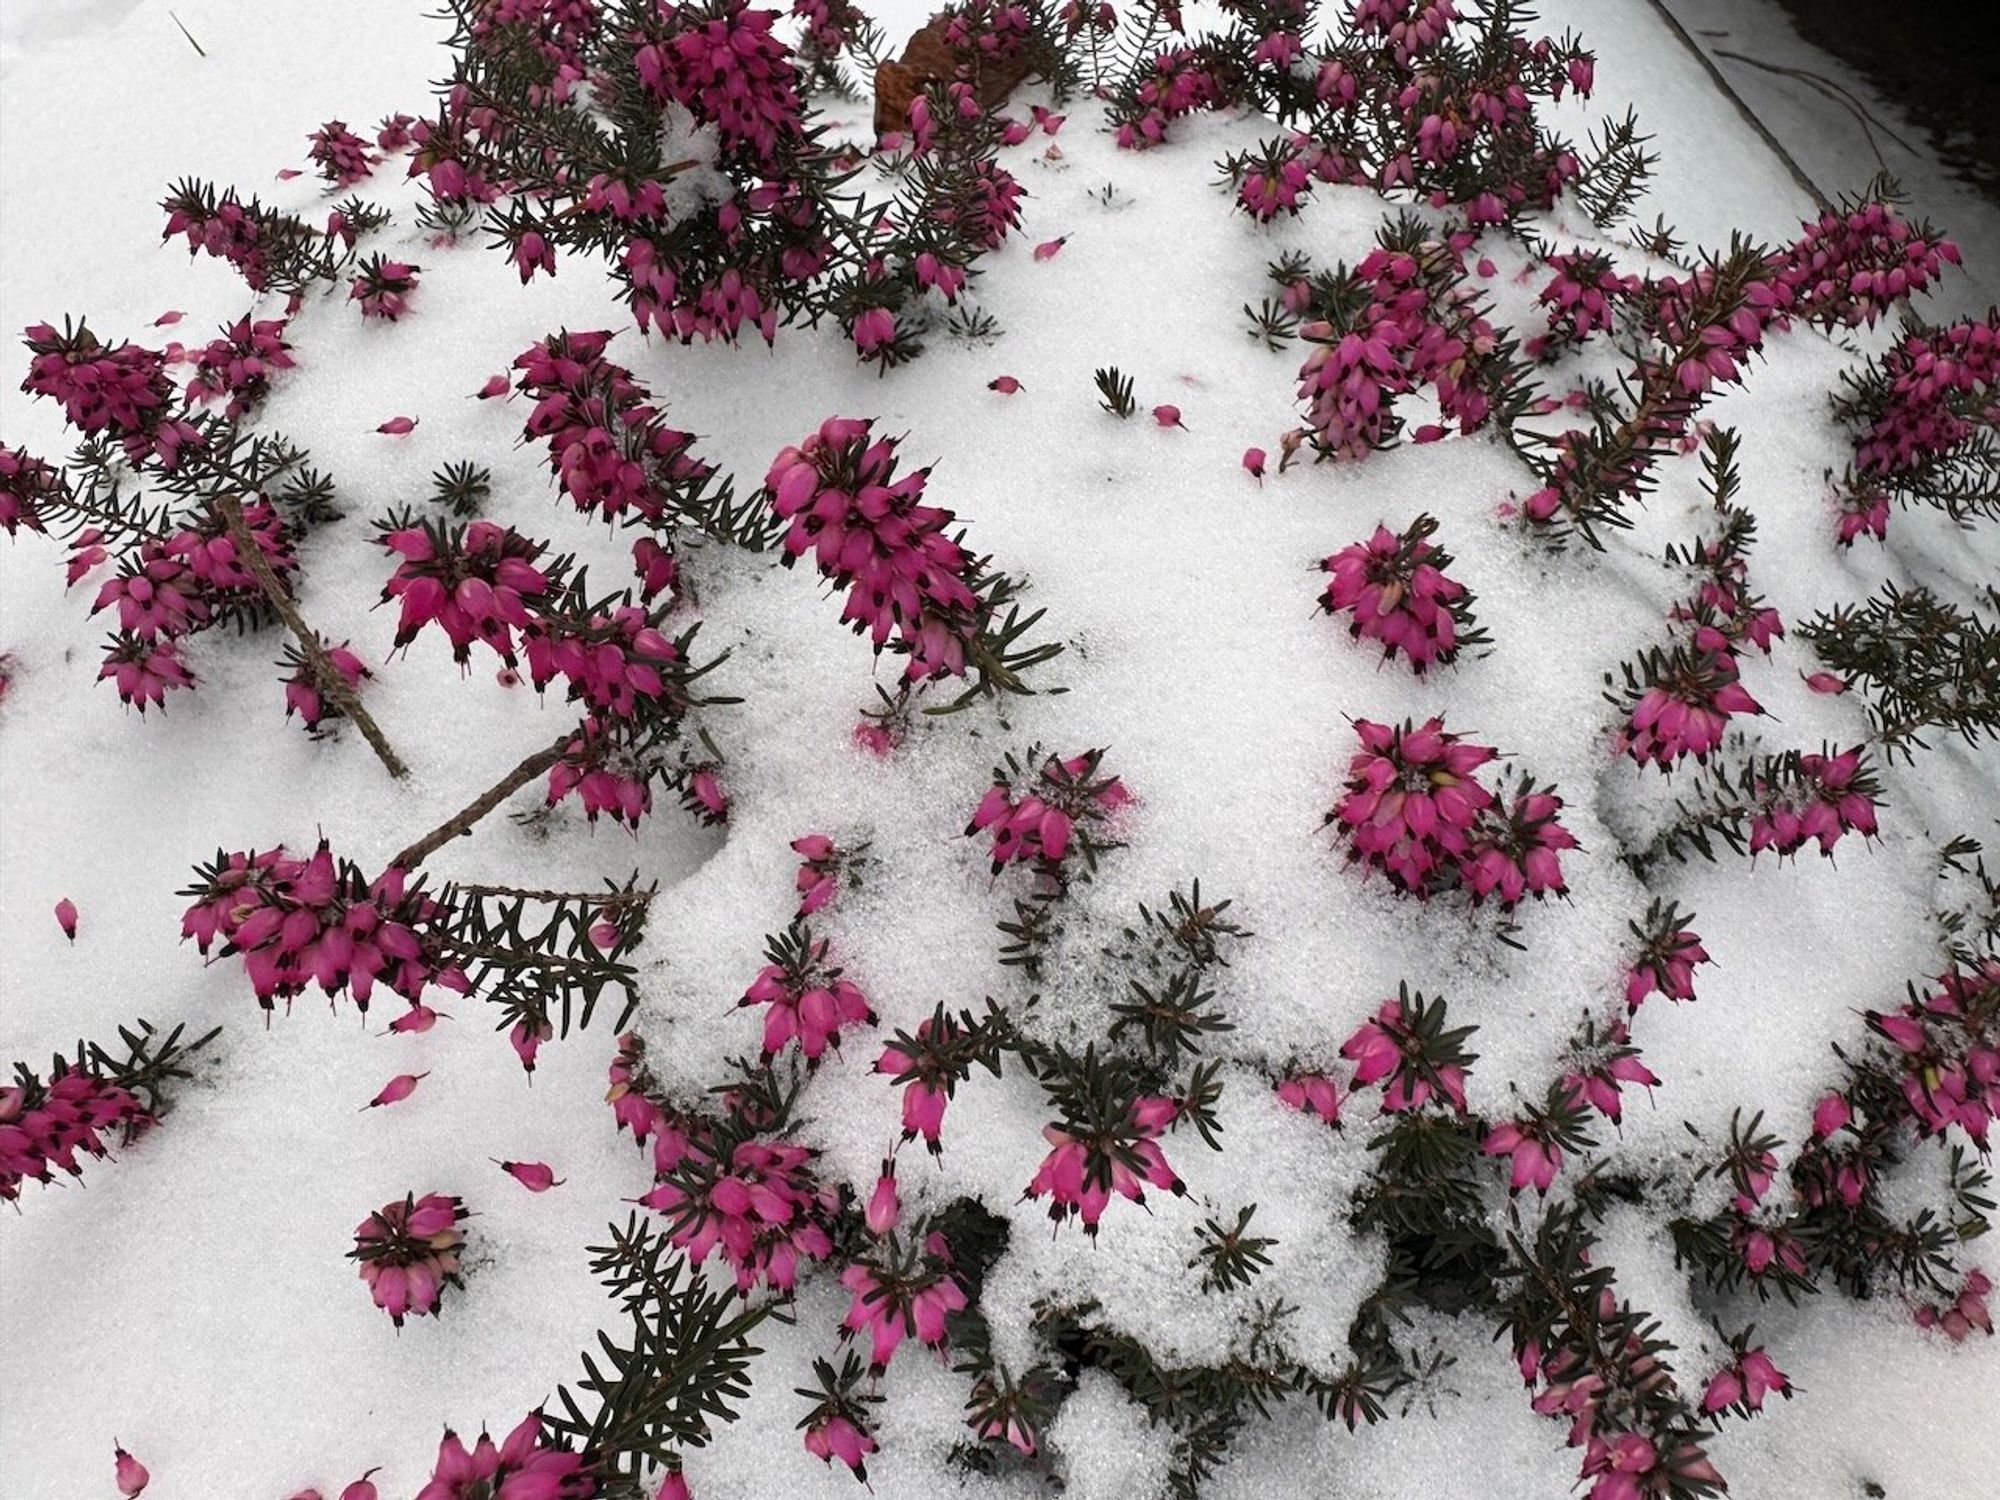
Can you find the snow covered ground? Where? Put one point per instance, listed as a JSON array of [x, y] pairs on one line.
[[193, 1300]]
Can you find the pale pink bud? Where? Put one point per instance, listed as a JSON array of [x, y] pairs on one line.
[[132, 1475], [532, 1175], [66, 917], [1050, 249], [396, 1090], [398, 426], [883, 1205]]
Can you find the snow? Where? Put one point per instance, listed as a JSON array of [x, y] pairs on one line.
[[193, 1299]]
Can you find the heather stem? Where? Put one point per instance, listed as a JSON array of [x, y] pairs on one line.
[[325, 674], [462, 821]]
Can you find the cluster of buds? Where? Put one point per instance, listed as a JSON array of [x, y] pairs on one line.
[[382, 287], [1600, 1064], [28, 485], [1582, 298], [809, 1002], [1177, 82], [409, 1252], [1932, 394], [910, 586], [303, 693], [1947, 1043], [527, 1465], [314, 920], [1400, 320], [1312, 1094], [124, 392], [821, 862], [1621, 1463], [1395, 588], [1045, 816], [637, 1108], [928, 1066], [1824, 798], [1088, 1163], [1744, 1383], [1678, 701], [169, 588], [1856, 261], [238, 367], [343, 158], [1669, 952], [45, 1125], [756, 1200], [608, 448], [728, 70], [1965, 1312], [1407, 1044], [475, 583], [1415, 810]]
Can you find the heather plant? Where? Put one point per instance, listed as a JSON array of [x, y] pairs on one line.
[[678, 148]]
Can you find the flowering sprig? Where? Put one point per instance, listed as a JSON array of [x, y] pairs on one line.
[[1105, 1139], [808, 1000], [46, 1121], [913, 589], [1780, 802], [410, 1252], [1395, 587], [929, 1064], [273, 251], [1043, 811], [837, 1426], [1925, 664]]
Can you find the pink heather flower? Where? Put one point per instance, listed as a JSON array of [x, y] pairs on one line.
[[66, 917], [396, 1090], [1006, 385], [527, 1465], [27, 484], [1831, 1115], [1066, 802], [877, 737], [808, 1000], [874, 332], [1049, 249], [1517, 852], [383, 287], [884, 1207], [1863, 512], [475, 584], [1745, 1383], [909, 585], [761, 1208], [342, 156], [1083, 1171], [1253, 462], [836, 1437], [1667, 959], [1824, 682], [237, 368], [1583, 296], [1535, 1160], [124, 392], [1854, 262], [1395, 591], [361, 1489], [1684, 708], [1608, 1061], [1412, 802], [1392, 1046], [526, 1039], [398, 427], [1969, 1310], [302, 693], [704, 796], [1620, 1464], [821, 862], [1168, 416], [1311, 1093], [889, 1305], [131, 1475], [731, 71], [41, 1126], [673, 1487], [928, 1073], [536, 1177], [1828, 797], [409, 1253], [496, 385]]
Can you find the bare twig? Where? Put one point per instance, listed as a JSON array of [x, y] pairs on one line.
[[462, 821], [324, 672], [186, 33]]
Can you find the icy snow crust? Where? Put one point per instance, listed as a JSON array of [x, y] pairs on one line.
[[193, 1300]]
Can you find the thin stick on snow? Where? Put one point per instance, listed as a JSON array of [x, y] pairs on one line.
[[324, 672], [186, 33], [462, 822]]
